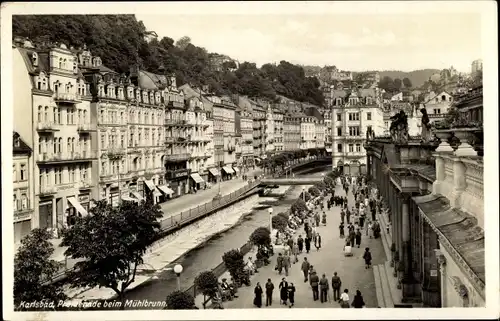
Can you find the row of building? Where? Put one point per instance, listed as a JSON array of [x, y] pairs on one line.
[[83, 131]]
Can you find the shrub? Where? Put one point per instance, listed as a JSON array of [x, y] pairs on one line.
[[299, 206], [321, 186], [179, 300], [207, 283], [285, 215], [329, 181], [314, 191], [279, 222], [261, 237], [234, 264]]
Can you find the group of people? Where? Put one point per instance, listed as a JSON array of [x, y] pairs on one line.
[[356, 221]]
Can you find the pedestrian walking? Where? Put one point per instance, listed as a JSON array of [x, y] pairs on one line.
[[300, 243], [283, 291], [336, 285], [352, 236], [367, 256], [286, 263], [341, 228], [358, 301], [324, 287], [342, 215], [305, 268], [348, 216], [317, 244], [308, 244], [314, 281], [257, 301], [324, 219], [295, 252], [291, 294], [358, 237], [344, 299], [269, 292], [369, 230], [279, 263]]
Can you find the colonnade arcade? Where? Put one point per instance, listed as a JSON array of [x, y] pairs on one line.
[[413, 240]]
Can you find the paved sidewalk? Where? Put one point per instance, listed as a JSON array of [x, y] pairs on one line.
[[327, 260]]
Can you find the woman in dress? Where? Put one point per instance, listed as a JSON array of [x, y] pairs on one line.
[[283, 291], [358, 302], [291, 294], [367, 256], [257, 301]]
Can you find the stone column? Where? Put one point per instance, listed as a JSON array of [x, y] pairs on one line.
[[442, 270], [459, 183], [408, 281]]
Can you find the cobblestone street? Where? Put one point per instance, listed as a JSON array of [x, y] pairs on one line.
[[327, 260]]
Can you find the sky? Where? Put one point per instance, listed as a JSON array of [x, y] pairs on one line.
[[355, 42]]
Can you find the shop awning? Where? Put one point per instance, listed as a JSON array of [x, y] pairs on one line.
[[214, 171], [137, 195], [128, 198], [228, 170], [236, 169], [166, 190], [328, 150], [156, 192], [197, 178], [150, 185], [73, 201]]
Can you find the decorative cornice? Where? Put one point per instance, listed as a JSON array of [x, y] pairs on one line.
[[462, 264]]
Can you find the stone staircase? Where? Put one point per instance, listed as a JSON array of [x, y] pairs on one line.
[[388, 295]]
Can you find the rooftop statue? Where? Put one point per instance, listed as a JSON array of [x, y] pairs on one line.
[[399, 128], [426, 133]]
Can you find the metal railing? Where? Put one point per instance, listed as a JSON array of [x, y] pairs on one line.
[[178, 220]]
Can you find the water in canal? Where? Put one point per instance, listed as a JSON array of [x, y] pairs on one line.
[[209, 255]]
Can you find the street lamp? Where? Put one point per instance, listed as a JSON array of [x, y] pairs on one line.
[[304, 193], [270, 219], [178, 270]]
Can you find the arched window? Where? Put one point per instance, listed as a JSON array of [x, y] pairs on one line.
[[41, 146], [60, 63], [443, 98], [40, 114], [65, 65], [59, 145], [46, 113], [44, 84]]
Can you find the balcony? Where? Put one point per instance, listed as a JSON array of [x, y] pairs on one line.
[[177, 157], [170, 140], [47, 190], [85, 185], [47, 158], [67, 98], [189, 124], [115, 152], [175, 122], [85, 128], [47, 127], [196, 138]]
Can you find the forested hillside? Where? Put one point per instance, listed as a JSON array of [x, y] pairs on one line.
[[120, 41], [417, 77]]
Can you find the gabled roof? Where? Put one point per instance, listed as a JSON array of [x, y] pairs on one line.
[[22, 147], [191, 92], [339, 93], [148, 80]]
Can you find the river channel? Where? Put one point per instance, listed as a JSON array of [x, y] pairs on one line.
[[209, 255]]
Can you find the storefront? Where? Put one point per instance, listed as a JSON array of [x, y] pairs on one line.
[[153, 192], [197, 181], [179, 181], [236, 170], [114, 194], [84, 200], [214, 175], [228, 172], [45, 210], [167, 192]]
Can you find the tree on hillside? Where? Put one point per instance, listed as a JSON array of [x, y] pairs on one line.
[[397, 84], [110, 243], [183, 42], [407, 82], [33, 267], [387, 84], [120, 41]]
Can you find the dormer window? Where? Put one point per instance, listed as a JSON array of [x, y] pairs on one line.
[[138, 95], [101, 91], [157, 98], [75, 68], [130, 93], [144, 97], [34, 59], [120, 93]]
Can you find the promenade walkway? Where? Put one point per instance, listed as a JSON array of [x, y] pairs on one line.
[[327, 260]]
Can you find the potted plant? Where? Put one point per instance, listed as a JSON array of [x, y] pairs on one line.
[[207, 283], [279, 222], [179, 300]]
